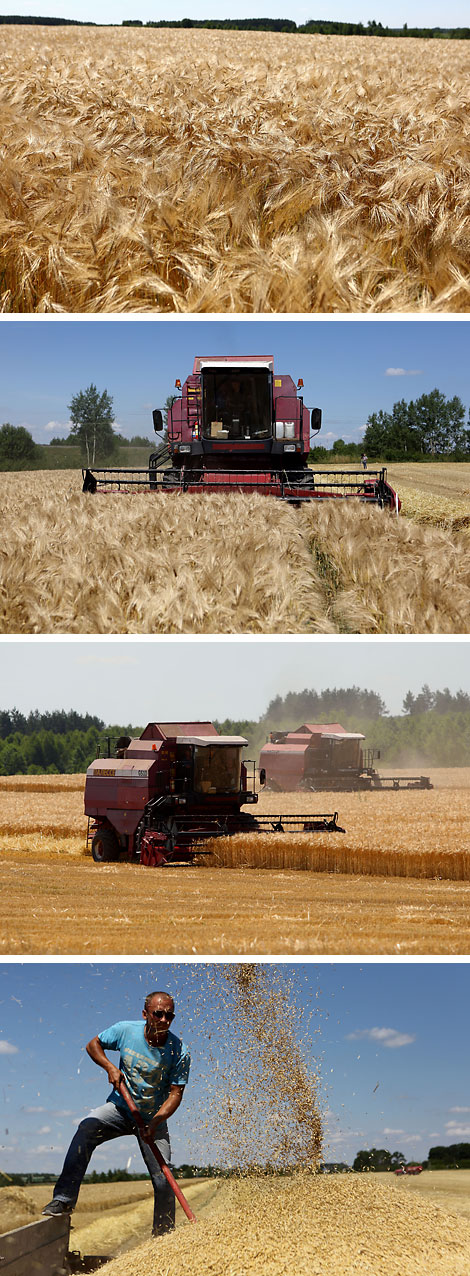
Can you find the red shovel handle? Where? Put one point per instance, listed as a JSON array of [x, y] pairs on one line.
[[157, 1154]]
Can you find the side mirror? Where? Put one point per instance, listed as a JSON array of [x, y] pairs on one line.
[[316, 420], [262, 776], [157, 419]]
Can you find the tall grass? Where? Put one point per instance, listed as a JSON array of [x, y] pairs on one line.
[[182, 171]]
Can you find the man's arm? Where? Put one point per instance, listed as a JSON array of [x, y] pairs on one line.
[[96, 1052], [167, 1109]]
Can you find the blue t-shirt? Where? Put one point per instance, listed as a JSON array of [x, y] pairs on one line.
[[149, 1071]]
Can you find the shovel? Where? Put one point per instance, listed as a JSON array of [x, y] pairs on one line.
[[140, 1123]]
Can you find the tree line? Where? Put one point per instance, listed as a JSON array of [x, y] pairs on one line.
[[314, 26], [455, 1156], [429, 428], [433, 729]]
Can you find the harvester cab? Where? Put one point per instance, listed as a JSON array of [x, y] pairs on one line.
[[237, 424], [157, 798]]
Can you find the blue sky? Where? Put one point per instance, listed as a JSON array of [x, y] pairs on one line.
[[350, 368], [414, 12], [113, 678], [392, 1041]]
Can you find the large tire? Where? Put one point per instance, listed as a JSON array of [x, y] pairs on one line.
[[104, 847]]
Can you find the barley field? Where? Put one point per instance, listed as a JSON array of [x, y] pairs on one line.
[[323, 1225], [142, 563], [193, 171], [398, 880]]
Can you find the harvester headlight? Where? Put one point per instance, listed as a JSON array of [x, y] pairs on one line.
[[185, 447], [289, 447]]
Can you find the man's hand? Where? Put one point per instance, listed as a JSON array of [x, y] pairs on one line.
[[115, 1076], [147, 1132]]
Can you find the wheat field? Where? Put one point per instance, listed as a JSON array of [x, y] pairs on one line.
[[398, 880], [194, 171], [146, 563]]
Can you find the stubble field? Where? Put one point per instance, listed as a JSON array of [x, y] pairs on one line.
[[193, 171], [125, 563], [398, 880]]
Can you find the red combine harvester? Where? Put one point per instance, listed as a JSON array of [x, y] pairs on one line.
[[162, 795], [326, 757], [239, 426]]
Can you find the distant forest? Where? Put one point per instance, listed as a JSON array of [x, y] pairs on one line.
[[314, 26], [433, 729]]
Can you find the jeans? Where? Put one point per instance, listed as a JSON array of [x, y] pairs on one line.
[[111, 1122]]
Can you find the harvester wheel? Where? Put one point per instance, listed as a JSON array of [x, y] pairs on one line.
[[104, 847]]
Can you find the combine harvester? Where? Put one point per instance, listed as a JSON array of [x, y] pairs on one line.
[[326, 757], [238, 426], [157, 798]]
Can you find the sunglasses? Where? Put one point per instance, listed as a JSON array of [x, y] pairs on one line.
[[162, 1014]]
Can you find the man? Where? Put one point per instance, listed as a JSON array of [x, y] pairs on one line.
[[154, 1064]]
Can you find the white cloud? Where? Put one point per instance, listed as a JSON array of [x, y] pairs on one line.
[[387, 1131], [45, 1129], [42, 1148], [7, 1048], [453, 1127], [459, 1109], [57, 427], [404, 372], [37, 1108], [389, 1037]]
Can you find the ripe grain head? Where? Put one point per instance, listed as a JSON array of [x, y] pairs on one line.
[[122, 172]]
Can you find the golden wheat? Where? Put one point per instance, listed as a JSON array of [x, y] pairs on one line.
[[213, 171], [140, 564], [143, 563]]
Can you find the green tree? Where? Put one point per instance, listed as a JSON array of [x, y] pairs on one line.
[[429, 426], [17, 444], [378, 1159], [92, 419]]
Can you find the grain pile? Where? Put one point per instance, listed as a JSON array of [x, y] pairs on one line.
[[17, 1208], [237, 564], [240, 171], [338, 1225]]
